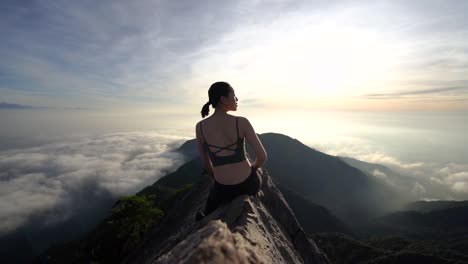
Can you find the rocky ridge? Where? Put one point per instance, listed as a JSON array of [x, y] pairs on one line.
[[249, 229]]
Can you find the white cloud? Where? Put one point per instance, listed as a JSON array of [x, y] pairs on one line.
[[435, 180], [388, 160], [431, 180], [379, 174], [460, 187], [418, 189], [61, 176]]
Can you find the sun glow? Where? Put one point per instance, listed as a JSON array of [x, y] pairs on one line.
[[300, 63], [325, 61]]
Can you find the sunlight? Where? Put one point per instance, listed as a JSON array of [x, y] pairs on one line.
[[302, 64], [327, 61]]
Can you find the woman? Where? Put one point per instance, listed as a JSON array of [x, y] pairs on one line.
[[221, 144]]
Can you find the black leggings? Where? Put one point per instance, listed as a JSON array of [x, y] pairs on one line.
[[221, 193]]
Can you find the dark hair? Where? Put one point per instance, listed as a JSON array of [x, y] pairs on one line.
[[215, 92]]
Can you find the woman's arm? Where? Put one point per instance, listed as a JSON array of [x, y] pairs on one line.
[[202, 152], [253, 140]]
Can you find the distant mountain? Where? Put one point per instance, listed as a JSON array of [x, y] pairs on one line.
[[430, 206], [18, 106], [446, 226], [313, 218], [327, 180], [349, 193], [403, 184], [438, 222], [409, 188], [342, 249]]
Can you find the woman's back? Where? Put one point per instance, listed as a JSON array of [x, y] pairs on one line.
[[223, 134], [223, 137]]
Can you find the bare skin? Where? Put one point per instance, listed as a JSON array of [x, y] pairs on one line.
[[220, 129]]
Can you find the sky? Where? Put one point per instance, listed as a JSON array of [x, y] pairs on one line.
[[95, 96], [161, 56]]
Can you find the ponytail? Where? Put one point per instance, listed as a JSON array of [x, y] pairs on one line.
[[205, 110], [215, 92]]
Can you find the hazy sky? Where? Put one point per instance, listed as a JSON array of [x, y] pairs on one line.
[[161, 56]]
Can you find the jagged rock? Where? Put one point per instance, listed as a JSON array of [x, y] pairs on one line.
[[213, 243], [249, 229]]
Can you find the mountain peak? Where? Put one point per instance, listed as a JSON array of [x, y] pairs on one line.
[[249, 229]]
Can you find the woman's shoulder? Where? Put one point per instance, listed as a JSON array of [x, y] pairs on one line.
[[243, 124], [239, 117], [242, 119], [206, 120], [203, 120], [198, 126]]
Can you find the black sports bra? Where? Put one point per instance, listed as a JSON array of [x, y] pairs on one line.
[[239, 151]]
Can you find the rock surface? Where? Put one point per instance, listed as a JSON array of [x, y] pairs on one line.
[[249, 229]]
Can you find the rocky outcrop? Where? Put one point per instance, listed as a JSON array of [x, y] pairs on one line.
[[249, 229]]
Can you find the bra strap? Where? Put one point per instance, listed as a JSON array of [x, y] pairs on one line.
[[201, 129], [237, 126]]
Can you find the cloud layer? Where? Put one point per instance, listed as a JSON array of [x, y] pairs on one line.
[[53, 182], [62, 177], [430, 180]]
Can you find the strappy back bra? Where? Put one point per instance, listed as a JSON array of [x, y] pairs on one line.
[[239, 151]]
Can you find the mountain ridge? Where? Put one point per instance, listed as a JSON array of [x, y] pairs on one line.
[[265, 215], [321, 178]]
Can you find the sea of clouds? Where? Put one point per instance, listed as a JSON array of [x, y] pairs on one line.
[[52, 180], [431, 180]]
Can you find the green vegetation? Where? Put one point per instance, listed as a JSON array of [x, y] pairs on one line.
[[130, 220], [164, 196], [133, 216]]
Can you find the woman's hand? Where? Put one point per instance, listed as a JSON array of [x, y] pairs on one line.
[[260, 170]]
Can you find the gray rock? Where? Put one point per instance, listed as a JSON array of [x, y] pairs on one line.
[[249, 229]]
